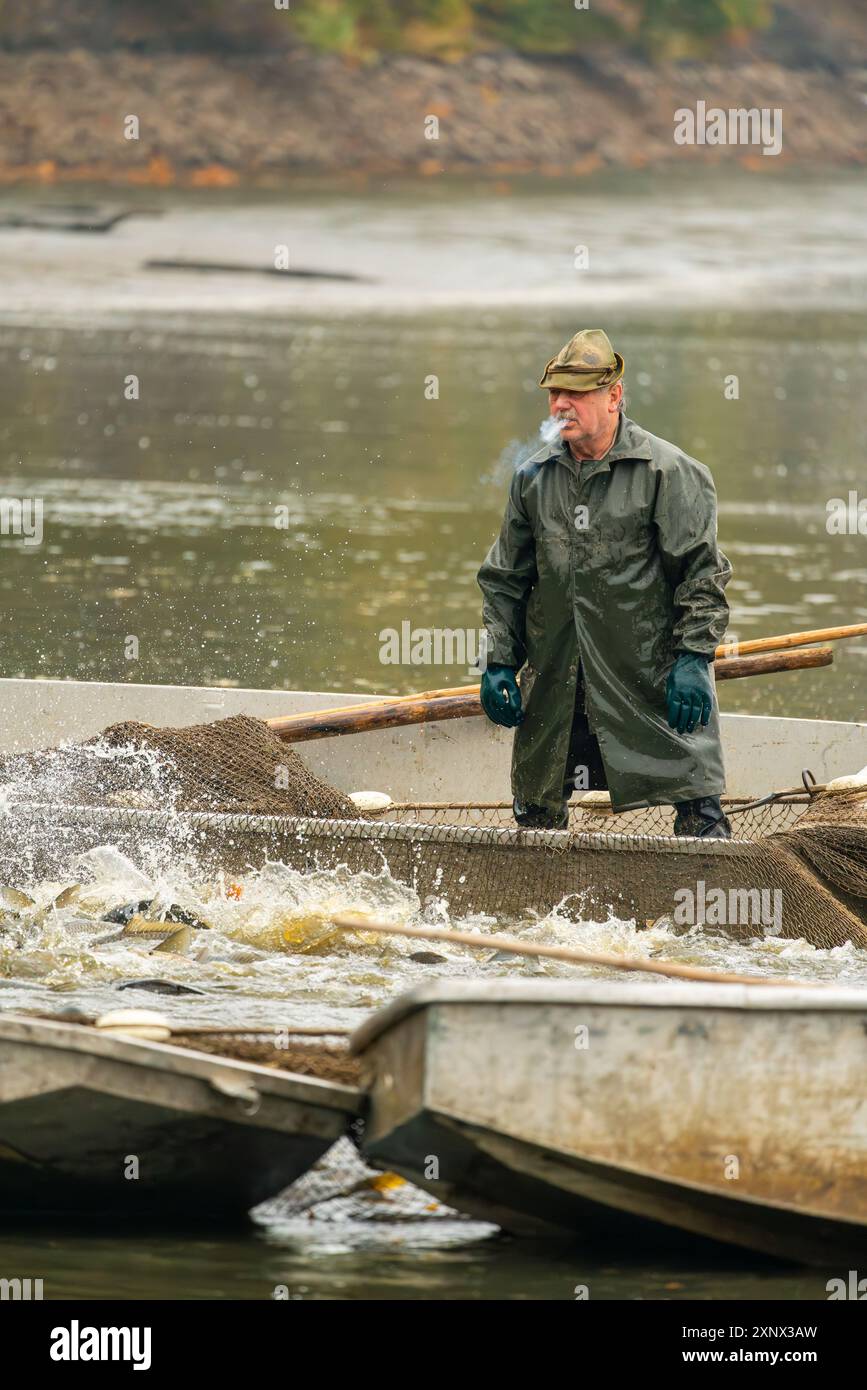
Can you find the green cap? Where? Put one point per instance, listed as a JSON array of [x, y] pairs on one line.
[[587, 362]]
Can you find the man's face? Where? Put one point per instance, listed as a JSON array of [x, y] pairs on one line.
[[589, 413]]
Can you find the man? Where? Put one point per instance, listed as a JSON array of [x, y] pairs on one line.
[[606, 579]]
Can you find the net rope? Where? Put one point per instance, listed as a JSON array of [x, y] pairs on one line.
[[231, 796]]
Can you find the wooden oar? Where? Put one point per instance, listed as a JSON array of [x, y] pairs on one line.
[[727, 651], [791, 639], [433, 706], [348, 921]]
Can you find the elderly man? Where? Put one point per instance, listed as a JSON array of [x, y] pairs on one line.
[[607, 581]]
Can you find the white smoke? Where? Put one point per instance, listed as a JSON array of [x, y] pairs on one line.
[[517, 451]]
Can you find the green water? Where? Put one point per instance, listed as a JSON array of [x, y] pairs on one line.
[[259, 402], [386, 1264]]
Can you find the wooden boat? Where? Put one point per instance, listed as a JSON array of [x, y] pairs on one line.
[[640, 1112], [449, 833], [114, 1129]]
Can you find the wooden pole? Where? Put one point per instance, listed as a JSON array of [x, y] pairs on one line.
[[348, 921], [728, 651], [733, 667], [791, 639], [436, 705]]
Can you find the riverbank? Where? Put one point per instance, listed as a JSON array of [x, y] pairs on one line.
[[213, 119]]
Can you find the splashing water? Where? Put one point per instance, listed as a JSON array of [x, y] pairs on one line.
[[269, 952]]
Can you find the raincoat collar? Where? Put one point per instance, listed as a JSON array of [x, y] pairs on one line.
[[630, 442]]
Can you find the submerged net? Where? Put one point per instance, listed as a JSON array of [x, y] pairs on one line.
[[230, 796]]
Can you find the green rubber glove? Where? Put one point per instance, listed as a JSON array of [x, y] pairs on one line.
[[689, 692], [500, 696]]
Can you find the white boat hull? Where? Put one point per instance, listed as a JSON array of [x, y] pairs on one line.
[[727, 1112], [110, 1128], [462, 759]]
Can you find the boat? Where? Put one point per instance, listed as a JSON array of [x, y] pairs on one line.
[[732, 1113], [652, 1114], [448, 832], [109, 1128]]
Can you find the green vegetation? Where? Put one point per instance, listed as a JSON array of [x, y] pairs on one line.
[[536, 26]]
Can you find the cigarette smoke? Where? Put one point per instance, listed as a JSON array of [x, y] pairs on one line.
[[517, 451]]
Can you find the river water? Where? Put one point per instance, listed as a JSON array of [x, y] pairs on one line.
[[165, 418]]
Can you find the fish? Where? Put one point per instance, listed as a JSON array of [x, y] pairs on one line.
[[13, 900], [67, 896], [140, 930], [159, 986], [188, 919], [123, 915], [178, 943]]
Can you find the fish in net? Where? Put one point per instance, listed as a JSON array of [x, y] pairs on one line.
[[234, 795]]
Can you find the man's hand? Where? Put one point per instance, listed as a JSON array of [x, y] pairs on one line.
[[500, 696], [689, 692]]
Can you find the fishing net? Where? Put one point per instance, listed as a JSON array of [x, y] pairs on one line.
[[236, 764], [229, 796], [342, 1188]]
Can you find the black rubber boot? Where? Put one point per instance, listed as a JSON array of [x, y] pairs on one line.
[[704, 817], [532, 817]]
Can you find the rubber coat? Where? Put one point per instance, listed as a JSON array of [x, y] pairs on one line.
[[608, 569]]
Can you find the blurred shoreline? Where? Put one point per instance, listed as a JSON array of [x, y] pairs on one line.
[[218, 120]]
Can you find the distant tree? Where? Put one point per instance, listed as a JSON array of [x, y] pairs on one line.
[[700, 19], [532, 25]]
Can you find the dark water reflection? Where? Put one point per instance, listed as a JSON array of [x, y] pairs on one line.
[[161, 514], [253, 1266]]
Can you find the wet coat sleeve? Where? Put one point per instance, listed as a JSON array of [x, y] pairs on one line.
[[686, 522], [506, 580]]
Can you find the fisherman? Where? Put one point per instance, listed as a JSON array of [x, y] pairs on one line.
[[605, 589]]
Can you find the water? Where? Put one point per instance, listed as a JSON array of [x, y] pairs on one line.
[[321, 1265], [303, 465]]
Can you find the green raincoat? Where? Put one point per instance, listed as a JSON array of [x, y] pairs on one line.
[[610, 567]]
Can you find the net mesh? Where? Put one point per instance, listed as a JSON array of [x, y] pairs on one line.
[[232, 796], [235, 764]]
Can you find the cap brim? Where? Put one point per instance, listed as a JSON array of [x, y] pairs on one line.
[[572, 379]]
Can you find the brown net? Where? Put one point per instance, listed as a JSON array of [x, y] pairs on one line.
[[230, 796], [324, 1061], [235, 764]]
